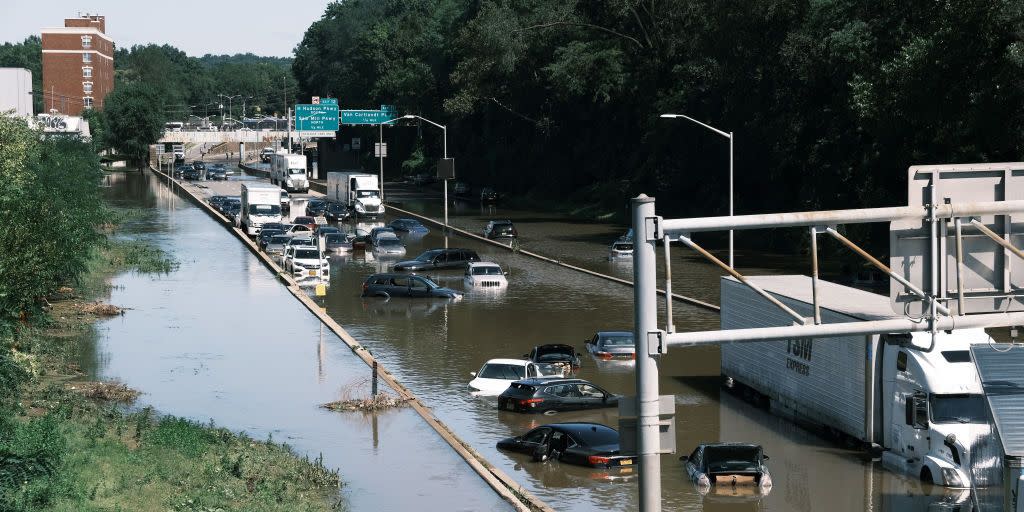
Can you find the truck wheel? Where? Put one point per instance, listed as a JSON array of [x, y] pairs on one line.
[[926, 475]]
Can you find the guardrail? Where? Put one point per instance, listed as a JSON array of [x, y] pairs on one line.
[[510, 490]]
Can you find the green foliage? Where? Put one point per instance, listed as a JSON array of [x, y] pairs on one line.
[[830, 100], [49, 189], [31, 456], [134, 119]]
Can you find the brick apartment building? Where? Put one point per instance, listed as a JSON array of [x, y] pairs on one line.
[[78, 65]]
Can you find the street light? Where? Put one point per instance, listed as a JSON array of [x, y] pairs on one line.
[[445, 130], [231, 97], [727, 135]]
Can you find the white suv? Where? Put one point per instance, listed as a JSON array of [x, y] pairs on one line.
[[484, 274], [306, 261]]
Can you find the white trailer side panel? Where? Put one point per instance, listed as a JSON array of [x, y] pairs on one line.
[[819, 380]]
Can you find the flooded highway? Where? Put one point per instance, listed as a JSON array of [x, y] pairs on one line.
[[218, 338]]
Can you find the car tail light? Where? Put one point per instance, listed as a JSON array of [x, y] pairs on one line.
[[597, 459], [604, 355], [531, 402], [365, 287]]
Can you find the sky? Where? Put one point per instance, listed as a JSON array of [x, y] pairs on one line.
[[262, 27]]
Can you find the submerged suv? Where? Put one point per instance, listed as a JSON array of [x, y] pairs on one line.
[[405, 285], [439, 259]]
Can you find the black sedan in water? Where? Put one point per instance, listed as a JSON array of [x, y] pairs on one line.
[[584, 444], [543, 395], [336, 212]]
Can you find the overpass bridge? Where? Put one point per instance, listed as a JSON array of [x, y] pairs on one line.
[[205, 137]]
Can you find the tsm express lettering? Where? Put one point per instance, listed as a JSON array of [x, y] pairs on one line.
[[798, 354]]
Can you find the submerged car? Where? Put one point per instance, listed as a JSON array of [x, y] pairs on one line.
[[484, 274], [500, 229], [488, 195], [388, 244], [552, 395], [286, 201], [439, 259], [216, 173], [337, 242], [305, 261], [336, 212], [264, 237], [585, 444], [497, 374], [276, 244], [621, 249], [612, 345], [405, 285], [723, 467], [408, 226], [315, 207], [557, 354]]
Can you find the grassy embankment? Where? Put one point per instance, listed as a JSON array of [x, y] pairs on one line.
[[68, 444]]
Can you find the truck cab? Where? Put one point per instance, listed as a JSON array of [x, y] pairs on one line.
[[365, 197], [936, 412]]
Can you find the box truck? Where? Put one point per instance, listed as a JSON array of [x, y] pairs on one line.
[[261, 203], [357, 190], [289, 171], [916, 398]]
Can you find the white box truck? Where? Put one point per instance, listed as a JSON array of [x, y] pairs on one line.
[[357, 190], [261, 203], [289, 171], [918, 400]]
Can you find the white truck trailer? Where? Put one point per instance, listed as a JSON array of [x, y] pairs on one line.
[[289, 171], [919, 400], [357, 190], [261, 203]]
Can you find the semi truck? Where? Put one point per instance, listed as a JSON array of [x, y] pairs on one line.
[[261, 203], [289, 171], [917, 399], [357, 190]]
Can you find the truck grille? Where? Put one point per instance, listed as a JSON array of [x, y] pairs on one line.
[[489, 283]]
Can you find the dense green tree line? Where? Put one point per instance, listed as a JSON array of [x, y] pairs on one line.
[[51, 208], [830, 100]]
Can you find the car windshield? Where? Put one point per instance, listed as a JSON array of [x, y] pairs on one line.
[[958, 409], [279, 239], [367, 193], [502, 371], [307, 254], [427, 256], [334, 238], [549, 370], [296, 171], [623, 247], [304, 220], [489, 270], [618, 341], [732, 458], [265, 209], [389, 242]]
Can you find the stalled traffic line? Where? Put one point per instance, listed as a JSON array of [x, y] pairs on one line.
[[510, 490]]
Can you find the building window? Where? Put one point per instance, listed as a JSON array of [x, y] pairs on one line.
[[87, 87], [86, 41], [86, 57], [87, 72], [87, 101]]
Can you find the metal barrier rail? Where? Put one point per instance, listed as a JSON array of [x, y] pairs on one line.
[[689, 300], [510, 490]]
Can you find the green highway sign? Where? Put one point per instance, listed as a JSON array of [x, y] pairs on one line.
[[328, 101], [317, 118], [366, 116]]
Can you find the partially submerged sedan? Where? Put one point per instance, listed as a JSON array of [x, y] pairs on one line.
[[554, 395], [736, 469], [612, 345], [496, 375], [585, 444]]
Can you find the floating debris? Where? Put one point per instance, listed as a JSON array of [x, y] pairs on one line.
[[105, 391], [102, 309], [382, 401]]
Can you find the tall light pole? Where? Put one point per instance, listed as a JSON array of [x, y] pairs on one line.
[[381, 154], [445, 130], [229, 97], [727, 135]]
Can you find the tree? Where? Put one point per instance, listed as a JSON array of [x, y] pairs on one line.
[[134, 115]]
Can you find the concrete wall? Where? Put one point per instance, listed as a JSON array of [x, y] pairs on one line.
[[234, 136], [16, 91]]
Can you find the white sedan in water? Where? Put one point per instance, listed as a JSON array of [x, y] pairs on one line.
[[496, 375], [484, 274]]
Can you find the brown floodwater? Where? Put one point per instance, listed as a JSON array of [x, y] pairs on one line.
[[220, 338]]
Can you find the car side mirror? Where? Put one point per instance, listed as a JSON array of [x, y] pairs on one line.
[[473, 374], [684, 457], [766, 457]]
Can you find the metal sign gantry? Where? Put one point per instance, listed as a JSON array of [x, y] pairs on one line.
[[939, 220]]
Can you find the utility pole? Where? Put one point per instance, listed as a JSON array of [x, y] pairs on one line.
[[289, 130], [645, 320]]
